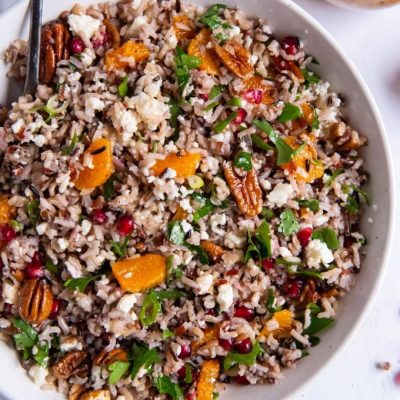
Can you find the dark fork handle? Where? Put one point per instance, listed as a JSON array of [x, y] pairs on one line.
[[32, 73]]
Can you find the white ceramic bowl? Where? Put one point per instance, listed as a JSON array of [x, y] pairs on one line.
[[285, 17]]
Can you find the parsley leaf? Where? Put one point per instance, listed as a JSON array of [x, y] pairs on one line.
[[26, 338], [260, 143], [243, 161], [176, 234], [108, 188], [328, 236], [361, 193], [271, 300], [81, 283], [305, 272], [334, 175], [260, 244], [123, 87], [68, 150], [351, 206], [184, 63], [317, 325], [143, 357], [42, 354], [288, 225], [290, 112], [174, 111], [248, 359], [206, 209], [203, 257], [118, 369], [33, 212], [120, 250], [310, 77], [215, 92], [284, 151], [170, 294], [311, 204], [165, 385]]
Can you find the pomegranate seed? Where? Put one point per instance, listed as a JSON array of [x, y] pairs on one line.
[[241, 115], [7, 233], [293, 288], [268, 263], [55, 308], [100, 41], [190, 396], [290, 44], [125, 225], [304, 236], [226, 344], [245, 346], [185, 351], [34, 270], [37, 258], [244, 312], [203, 96], [77, 45], [232, 272], [211, 312], [182, 372], [242, 380], [99, 216], [253, 95]]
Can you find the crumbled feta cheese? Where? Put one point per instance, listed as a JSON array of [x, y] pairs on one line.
[[83, 25], [205, 282], [225, 296], [10, 293], [63, 243], [38, 374], [86, 226], [87, 57], [69, 343], [126, 303], [186, 226], [287, 255], [18, 125], [152, 111], [42, 228], [128, 121], [281, 193], [39, 140], [318, 252], [137, 23], [332, 275], [93, 104]]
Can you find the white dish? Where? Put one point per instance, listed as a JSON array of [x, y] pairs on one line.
[[285, 18]]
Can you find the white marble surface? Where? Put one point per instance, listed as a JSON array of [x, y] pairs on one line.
[[371, 39]]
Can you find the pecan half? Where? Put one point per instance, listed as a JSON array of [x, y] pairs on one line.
[[112, 34], [212, 249], [53, 48], [96, 395], [73, 363], [76, 391], [246, 190], [308, 295], [35, 301], [106, 358], [236, 58]]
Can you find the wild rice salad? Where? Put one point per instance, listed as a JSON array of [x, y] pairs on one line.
[[180, 203]]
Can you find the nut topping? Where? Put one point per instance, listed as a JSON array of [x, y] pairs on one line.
[[53, 48], [35, 301], [96, 395], [76, 391], [106, 358], [345, 138], [213, 250], [74, 363], [112, 34], [245, 189]]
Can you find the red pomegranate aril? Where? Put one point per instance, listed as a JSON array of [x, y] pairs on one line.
[[34, 270], [99, 216], [203, 96], [7, 233], [125, 225], [268, 263], [190, 396], [232, 272], [7, 308], [304, 236], [77, 45], [253, 95], [293, 288], [55, 308], [240, 117], [181, 373], [100, 41], [242, 380], [244, 312], [245, 346], [226, 344], [211, 312], [290, 45], [185, 351]]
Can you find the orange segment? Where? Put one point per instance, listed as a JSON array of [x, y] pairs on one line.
[[209, 335], [208, 376], [90, 178], [304, 166], [256, 82], [7, 212], [140, 273], [184, 165], [285, 319], [184, 27], [197, 47], [119, 58]]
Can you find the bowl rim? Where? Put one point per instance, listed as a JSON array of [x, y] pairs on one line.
[[376, 115]]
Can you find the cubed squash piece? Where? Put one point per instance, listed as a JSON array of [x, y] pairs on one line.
[[198, 47], [208, 376], [140, 273], [119, 58], [284, 318], [209, 335], [7, 212], [185, 165]]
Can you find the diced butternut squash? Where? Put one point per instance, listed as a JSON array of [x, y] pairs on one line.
[[284, 319], [209, 335], [304, 166], [209, 373], [198, 47], [120, 58], [7, 212], [140, 273], [184, 27], [101, 152], [256, 82], [184, 165]]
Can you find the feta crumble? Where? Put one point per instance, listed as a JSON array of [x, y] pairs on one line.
[[281, 193], [205, 282], [318, 252], [83, 25], [225, 296]]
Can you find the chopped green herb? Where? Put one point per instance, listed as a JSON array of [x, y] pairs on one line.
[[363, 194], [234, 102], [310, 77], [215, 92], [184, 63], [150, 309], [123, 87], [243, 161], [267, 214], [166, 333], [328, 236], [290, 112], [282, 261], [109, 188], [118, 369], [317, 325], [332, 178], [311, 204], [305, 272], [283, 149], [174, 111], [252, 250], [315, 121], [50, 108], [263, 237], [299, 149], [81, 283], [260, 143], [42, 354], [212, 19], [206, 209], [271, 300], [212, 105], [143, 357], [165, 385], [203, 257], [33, 211], [288, 223], [175, 233], [314, 308], [50, 266], [188, 374], [248, 359], [16, 225], [170, 294], [351, 206], [26, 337], [222, 125], [120, 249], [200, 197], [314, 340]]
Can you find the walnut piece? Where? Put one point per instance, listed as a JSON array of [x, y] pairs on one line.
[[344, 138], [35, 301], [245, 189], [73, 363]]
